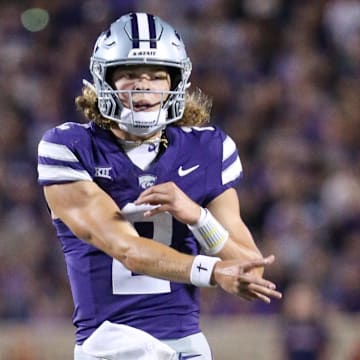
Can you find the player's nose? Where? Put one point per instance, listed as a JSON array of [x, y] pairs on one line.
[[142, 82]]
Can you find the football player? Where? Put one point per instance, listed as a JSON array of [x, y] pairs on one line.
[[143, 202]]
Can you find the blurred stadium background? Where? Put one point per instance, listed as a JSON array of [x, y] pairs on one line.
[[284, 76]]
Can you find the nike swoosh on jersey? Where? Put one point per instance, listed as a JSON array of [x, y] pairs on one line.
[[184, 172]]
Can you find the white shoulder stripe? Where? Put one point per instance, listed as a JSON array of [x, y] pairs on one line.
[[61, 173], [56, 151], [229, 147], [231, 172]]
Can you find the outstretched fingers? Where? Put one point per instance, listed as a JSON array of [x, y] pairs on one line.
[[252, 287], [253, 264], [265, 293], [259, 286]]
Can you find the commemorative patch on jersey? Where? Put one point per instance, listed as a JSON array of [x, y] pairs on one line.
[[147, 180]]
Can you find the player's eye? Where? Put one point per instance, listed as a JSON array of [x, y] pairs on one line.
[[160, 76], [130, 75]]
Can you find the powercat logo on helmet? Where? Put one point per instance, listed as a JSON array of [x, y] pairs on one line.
[[139, 52]]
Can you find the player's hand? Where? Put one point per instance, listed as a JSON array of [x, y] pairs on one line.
[[237, 279], [169, 197]]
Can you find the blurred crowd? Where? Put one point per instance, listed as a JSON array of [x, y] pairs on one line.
[[284, 76]]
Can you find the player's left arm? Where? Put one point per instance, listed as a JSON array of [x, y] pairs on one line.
[[240, 243], [225, 224]]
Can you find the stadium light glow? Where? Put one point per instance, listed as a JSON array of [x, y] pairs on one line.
[[35, 19]]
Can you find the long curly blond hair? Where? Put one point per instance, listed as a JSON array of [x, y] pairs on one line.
[[196, 113]]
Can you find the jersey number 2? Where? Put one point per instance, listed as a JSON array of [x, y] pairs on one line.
[[124, 282]]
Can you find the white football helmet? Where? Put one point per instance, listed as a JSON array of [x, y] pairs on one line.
[[140, 39]]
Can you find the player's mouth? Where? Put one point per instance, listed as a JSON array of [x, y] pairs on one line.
[[145, 106]]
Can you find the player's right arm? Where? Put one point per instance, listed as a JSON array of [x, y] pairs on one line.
[[94, 217]]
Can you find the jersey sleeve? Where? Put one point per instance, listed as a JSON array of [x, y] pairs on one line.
[[59, 160], [226, 166], [231, 167]]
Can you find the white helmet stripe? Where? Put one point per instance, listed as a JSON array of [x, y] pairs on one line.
[[144, 33]]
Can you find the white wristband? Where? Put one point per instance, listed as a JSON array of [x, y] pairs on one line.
[[210, 234], [202, 269]]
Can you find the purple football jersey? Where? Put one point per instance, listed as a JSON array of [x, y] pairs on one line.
[[203, 162]]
